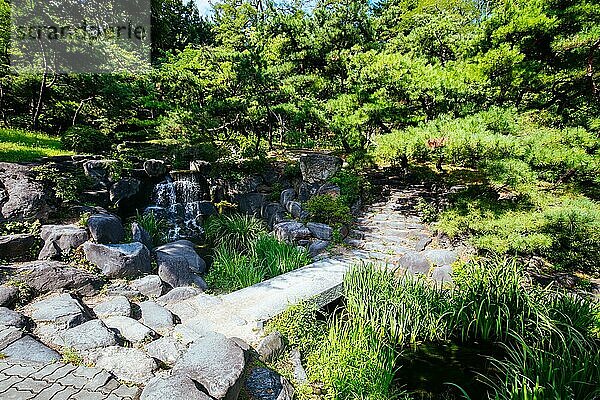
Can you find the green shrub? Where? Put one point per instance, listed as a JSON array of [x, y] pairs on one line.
[[352, 186], [85, 139], [67, 185], [300, 327], [329, 209], [237, 231]]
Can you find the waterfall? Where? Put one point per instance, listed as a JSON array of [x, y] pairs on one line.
[[181, 199]]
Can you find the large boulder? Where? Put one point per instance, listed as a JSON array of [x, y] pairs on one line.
[[179, 264], [22, 197], [106, 228], [124, 189], [273, 213], [319, 167], [286, 196], [215, 362], [119, 260], [9, 295], [251, 203], [60, 240], [12, 318], [50, 276], [98, 171], [172, 388], [155, 168], [320, 231], [16, 247], [291, 231]]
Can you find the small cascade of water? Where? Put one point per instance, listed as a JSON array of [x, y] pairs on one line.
[[182, 200]]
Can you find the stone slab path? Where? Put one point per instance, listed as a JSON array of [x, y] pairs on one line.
[[22, 380], [385, 233]]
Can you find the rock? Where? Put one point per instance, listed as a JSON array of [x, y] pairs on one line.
[[179, 264], [50, 276], [308, 190], [156, 317], [317, 247], [206, 208], [8, 335], [216, 363], [130, 329], [270, 346], [166, 349], [189, 309], [265, 384], [422, 244], [286, 196], [98, 170], [106, 228], [155, 168], [59, 240], [12, 318], [9, 295], [87, 336], [124, 189], [415, 263], [172, 388], [181, 249], [320, 231], [299, 373], [330, 189], [441, 257], [23, 197], [251, 203], [139, 234], [442, 274], [200, 166], [178, 295], [150, 286], [319, 167], [29, 349], [127, 364], [61, 310], [291, 231], [273, 213], [295, 209], [114, 306], [16, 247], [119, 260]]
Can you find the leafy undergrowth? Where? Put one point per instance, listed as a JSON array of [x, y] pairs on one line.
[[22, 146], [549, 342]]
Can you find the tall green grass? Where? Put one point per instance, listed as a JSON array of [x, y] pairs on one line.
[[263, 258], [550, 337], [237, 231]]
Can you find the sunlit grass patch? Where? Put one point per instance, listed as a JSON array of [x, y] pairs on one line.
[[22, 146]]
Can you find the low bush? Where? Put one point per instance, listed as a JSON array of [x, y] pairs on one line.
[[328, 209], [85, 139]]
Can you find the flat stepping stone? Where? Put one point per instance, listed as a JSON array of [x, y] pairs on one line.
[[62, 311], [87, 336], [9, 317], [113, 306], [172, 388], [29, 349], [131, 329], [166, 349], [156, 317], [126, 363], [215, 362], [8, 335]]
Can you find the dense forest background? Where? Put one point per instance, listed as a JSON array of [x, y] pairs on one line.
[[335, 73]]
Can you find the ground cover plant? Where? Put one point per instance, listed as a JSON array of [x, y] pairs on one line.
[[547, 338]]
